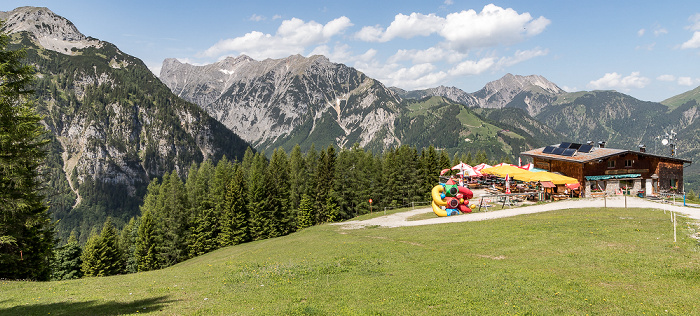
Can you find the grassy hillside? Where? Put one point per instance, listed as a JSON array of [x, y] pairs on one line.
[[574, 262]]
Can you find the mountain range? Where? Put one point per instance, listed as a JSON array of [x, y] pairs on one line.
[[115, 126]]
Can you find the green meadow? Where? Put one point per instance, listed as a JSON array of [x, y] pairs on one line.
[[566, 262]]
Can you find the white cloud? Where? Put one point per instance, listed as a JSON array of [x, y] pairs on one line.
[[666, 78], [491, 27], [693, 42], [470, 67], [462, 30], [521, 56], [293, 37], [404, 26], [342, 53], [687, 81], [616, 81], [641, 32], [695, 22], [430, 55], [660, 31], [256, 18], [449, 2], [276, 17]]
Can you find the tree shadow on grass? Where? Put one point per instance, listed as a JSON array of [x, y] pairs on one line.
[[90, 307]]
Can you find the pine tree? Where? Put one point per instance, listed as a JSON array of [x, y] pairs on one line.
[[26, 233], [67, 262]]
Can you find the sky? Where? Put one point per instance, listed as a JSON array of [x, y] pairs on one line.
[[647, 49]]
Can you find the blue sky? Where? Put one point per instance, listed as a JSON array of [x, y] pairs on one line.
[[647, 49]]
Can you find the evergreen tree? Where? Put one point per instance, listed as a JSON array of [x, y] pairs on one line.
[[171, 221], [297, 176], [277, 176], [325, 176], [235, 217], [128, 240], [258, 203], [102, 256], [444, 160], [305, 215], [67, 262], [145, 253], [89, 257], [26, 233]]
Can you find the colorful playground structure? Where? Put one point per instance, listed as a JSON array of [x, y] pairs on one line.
[[451, 199]]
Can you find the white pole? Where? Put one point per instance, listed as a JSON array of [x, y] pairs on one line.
[[674, 227]]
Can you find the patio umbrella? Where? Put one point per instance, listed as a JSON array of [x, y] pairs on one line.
[[481, 166]]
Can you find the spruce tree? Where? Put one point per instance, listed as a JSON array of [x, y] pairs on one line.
[[297, 176], [235, 217], [277, 176], [67, 261], [128, 240], [101, 256], [26, 233], [148, 239], [258, 200], [305, 215]]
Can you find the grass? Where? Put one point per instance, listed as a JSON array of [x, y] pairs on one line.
[[573, 262]]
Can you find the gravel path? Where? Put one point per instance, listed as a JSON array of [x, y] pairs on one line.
[[400, 219]]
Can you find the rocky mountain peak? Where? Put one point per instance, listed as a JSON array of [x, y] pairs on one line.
[[48, 29], [518, 83]]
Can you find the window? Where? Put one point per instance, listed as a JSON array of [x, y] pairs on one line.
[[611, 163], [629, 162]]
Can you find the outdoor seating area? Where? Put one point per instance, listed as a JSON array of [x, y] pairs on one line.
[[512, 185]]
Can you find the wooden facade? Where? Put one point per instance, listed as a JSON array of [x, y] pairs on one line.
[[616, 170]]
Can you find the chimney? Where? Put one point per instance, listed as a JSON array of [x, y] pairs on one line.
[[642, 148], [590, 142], [601, 144]]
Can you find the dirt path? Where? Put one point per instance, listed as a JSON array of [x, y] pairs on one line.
[[400, 219]]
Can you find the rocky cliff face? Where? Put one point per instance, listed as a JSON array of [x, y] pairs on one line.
[[114, 124], [281, 102]]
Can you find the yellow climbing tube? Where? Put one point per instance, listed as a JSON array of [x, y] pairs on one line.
[[438, 201]]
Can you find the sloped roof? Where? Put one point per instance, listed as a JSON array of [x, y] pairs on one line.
[[595, 154]]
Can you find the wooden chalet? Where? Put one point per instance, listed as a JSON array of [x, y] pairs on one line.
[[601, 169]]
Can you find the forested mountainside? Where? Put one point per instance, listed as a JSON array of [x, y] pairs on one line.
[[113, 125]]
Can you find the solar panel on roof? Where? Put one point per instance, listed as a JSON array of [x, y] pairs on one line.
[[558, 150], [575, 146], [585, 148], [569, 152], [564, 145], [548, 150]]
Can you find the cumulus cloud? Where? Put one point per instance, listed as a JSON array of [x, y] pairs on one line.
[[470, 67], [404, 26], [491, 27], [687, 81], [616, 81], [693, 42], [666, 78], [462, 30], [293, 37]]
